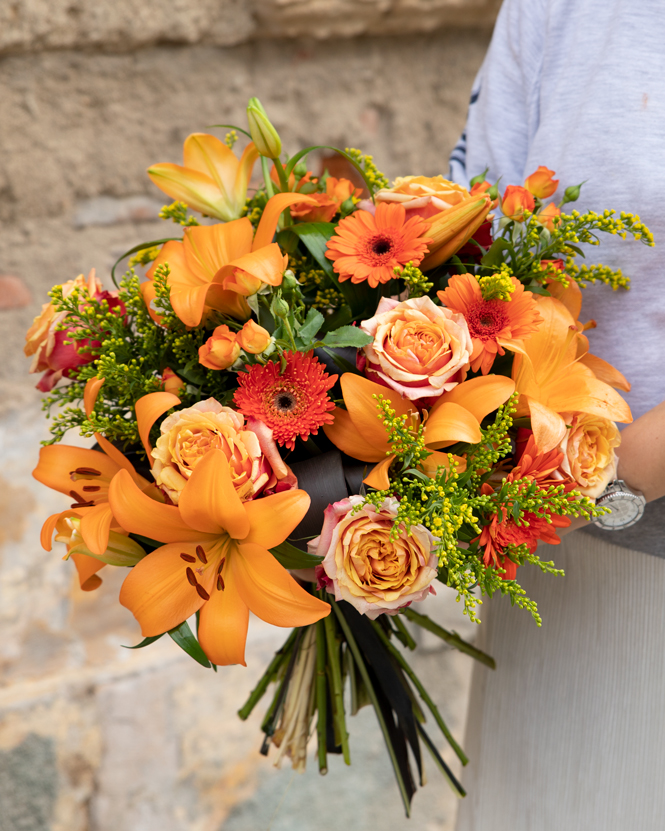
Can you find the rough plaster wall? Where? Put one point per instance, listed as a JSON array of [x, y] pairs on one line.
[[136, 741]]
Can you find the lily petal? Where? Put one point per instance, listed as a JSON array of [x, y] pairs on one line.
[[95, 527], [362, 407], [46, 535], [451, 423], [549, 429], [273, 518], [223, 623], [267, 264], [343, 434], [90, 394], [157, 592], [269, 590], [378, 476], [605, 372], [271, 214], [58, 461], [148, 409], [190, 186], [480, 396], [210, 503], [139, 514], [87, 568]]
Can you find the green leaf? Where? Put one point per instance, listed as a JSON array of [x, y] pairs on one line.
[[140, 247], [347, 336], [311, 326], [185, 639], [343, 364], [495, 252], [340, 317], [315, 236], [144, 642], [289, 556]]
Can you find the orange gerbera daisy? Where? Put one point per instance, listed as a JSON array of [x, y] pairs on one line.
[[369, 247], [293, 403], [493, 324]]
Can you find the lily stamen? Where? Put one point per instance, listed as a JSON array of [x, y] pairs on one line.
[[202, 592], [191, 577], [188, 558], [200, 553], [220, 583]]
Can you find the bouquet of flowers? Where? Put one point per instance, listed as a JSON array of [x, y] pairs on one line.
[[321, 404]]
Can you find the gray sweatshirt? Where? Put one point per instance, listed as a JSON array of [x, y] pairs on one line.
[[579, 86]]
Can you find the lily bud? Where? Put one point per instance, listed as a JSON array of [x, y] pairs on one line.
[[265, 137], [572, 193]]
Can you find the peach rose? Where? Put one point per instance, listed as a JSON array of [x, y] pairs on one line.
[[541, 183], [419, 349], [588, 449], [187, 435], [46, 344], [254, 338], [515, 201], [547, 216], [424, 196], [372, 571], [221, 350]]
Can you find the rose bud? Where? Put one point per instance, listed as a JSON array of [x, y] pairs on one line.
[[516, 200], [254, 338], [221, 350], [541, 184], [172, 383]]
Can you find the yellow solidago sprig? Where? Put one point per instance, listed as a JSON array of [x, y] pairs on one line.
[[373, 175], [144, 256], [177, 212], [584, 274], [415, 281], [499, 285]]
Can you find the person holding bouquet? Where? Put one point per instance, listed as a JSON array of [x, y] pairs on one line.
[[569, 731]]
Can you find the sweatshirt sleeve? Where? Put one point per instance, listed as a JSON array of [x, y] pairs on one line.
[[504, 106]]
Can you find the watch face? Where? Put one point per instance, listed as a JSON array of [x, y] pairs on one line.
[[627, 509]]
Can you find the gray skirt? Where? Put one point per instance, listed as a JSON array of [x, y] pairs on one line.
[[569, 731]]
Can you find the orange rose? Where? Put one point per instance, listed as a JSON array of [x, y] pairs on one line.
[[541, 183], [172, 383], [369, 567], [187, 435], [329, 203], [221, 350], [547, 215], [588, 449], [516, 200], [418, 349], [254, 338]]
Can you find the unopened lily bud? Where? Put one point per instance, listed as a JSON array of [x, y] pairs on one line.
[[572, 193], [254, 338], [266, 139], [279, 307]]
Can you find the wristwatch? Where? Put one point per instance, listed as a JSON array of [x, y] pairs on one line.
[[627, 506]]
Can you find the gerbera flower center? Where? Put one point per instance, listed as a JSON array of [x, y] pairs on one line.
[[486, 319], [285, 401], [381, 244]]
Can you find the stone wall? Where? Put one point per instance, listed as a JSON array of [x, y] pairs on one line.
[[94, 737]]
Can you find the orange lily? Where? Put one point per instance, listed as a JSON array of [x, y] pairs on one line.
[[212, 179], [215, 559], [359, 432], [553, 378], [217, 266], [454, 227], [86, 475]]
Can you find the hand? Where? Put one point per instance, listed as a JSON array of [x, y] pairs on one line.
[[642, 454]]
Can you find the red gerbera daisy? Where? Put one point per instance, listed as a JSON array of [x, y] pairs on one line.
[[369, 247], [294, 403]]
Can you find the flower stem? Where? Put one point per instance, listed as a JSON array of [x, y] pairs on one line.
[[321, 696], [451, 638], [265, 169], [281, 173], [337, 688], [269, 675]]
